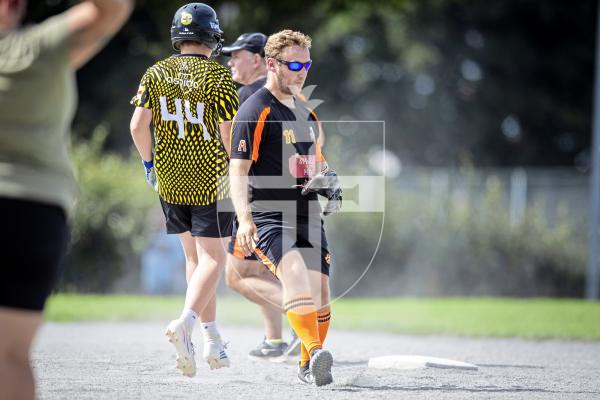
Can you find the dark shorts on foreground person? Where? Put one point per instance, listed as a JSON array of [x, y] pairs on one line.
[[276, 239], [33, 242], [200, 221]]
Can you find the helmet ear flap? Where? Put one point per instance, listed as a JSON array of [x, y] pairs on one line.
[[218, 48]]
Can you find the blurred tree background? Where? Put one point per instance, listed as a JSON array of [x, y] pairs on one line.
[[500, 84], [503, 84]]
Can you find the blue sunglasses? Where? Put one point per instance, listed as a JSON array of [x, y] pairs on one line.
[[295, 65]]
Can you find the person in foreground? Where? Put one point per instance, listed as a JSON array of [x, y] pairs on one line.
[[276, 154], [248, 276], [37, 186], [190, 100]]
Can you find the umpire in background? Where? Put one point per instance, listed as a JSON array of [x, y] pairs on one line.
[[37, 186], [247, 63]]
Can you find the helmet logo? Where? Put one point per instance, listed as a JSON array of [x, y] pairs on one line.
[[186, 18], [214, 25]]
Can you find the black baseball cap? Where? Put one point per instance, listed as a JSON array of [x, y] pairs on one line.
[[253, 41]]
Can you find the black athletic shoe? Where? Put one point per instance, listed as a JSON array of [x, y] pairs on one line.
[[304, 375], [267, 351], [320, 365]]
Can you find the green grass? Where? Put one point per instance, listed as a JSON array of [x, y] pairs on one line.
[[484, 317]]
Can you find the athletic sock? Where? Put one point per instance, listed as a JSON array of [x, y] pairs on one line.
[[323, 318], [304, 355], [302, 314], [274, 342], [189, 317], [210, 330]]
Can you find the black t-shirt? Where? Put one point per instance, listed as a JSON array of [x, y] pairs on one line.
[[282, 144], [248, 90]]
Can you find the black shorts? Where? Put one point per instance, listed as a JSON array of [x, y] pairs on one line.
[[33, 242], [276, 239], [204, 221]]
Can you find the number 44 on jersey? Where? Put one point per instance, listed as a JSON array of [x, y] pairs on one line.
[[179, 116]]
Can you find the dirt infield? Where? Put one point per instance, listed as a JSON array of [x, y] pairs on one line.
[[134, 361]]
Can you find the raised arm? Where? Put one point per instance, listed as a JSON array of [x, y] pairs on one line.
[[92, 23]]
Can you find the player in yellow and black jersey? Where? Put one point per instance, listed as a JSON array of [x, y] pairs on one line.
[[190, 100], [189, 96]]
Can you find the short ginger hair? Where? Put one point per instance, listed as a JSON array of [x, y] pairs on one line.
[[280, 40]]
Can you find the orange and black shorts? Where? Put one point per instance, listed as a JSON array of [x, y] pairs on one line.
[[276, 239]]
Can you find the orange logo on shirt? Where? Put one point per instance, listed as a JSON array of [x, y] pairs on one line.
[[242, 146], [328, 258]]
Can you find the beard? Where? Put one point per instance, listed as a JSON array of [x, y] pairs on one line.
[[283, 86]]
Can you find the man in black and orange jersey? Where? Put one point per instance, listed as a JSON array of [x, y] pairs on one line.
[[190, 100], [248, 276], [274, 152]]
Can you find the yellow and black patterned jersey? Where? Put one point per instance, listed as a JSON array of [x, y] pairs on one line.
[[189, 96]]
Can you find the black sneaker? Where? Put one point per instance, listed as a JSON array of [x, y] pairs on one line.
[[267, 351], [304, 374], [320, 365]]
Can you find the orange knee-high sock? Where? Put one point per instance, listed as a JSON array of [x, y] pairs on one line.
[[302, 314], [323, 318], [304, 355]]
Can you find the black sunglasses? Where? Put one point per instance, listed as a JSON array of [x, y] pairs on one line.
[[295, 65]]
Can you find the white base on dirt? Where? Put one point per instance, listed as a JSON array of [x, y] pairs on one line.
[[414, 362]]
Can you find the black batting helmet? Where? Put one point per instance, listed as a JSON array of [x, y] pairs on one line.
[[197, 22]]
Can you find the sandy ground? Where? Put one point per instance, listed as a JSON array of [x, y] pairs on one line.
[[134, 361]]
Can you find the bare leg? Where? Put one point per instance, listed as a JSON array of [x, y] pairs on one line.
[[17, 330], [205, 259], [256, 283], [210, 311], [319, 284], [191, 257], [293, 274], [205, 278], [188, 243], [272, 320]]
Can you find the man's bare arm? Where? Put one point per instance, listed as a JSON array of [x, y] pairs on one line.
[[238, 178], [225, 128]]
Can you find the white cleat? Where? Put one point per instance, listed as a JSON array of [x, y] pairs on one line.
[[181, 339], [214, 352]]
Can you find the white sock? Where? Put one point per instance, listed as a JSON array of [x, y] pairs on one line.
[[209, 329], [189, 317]]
